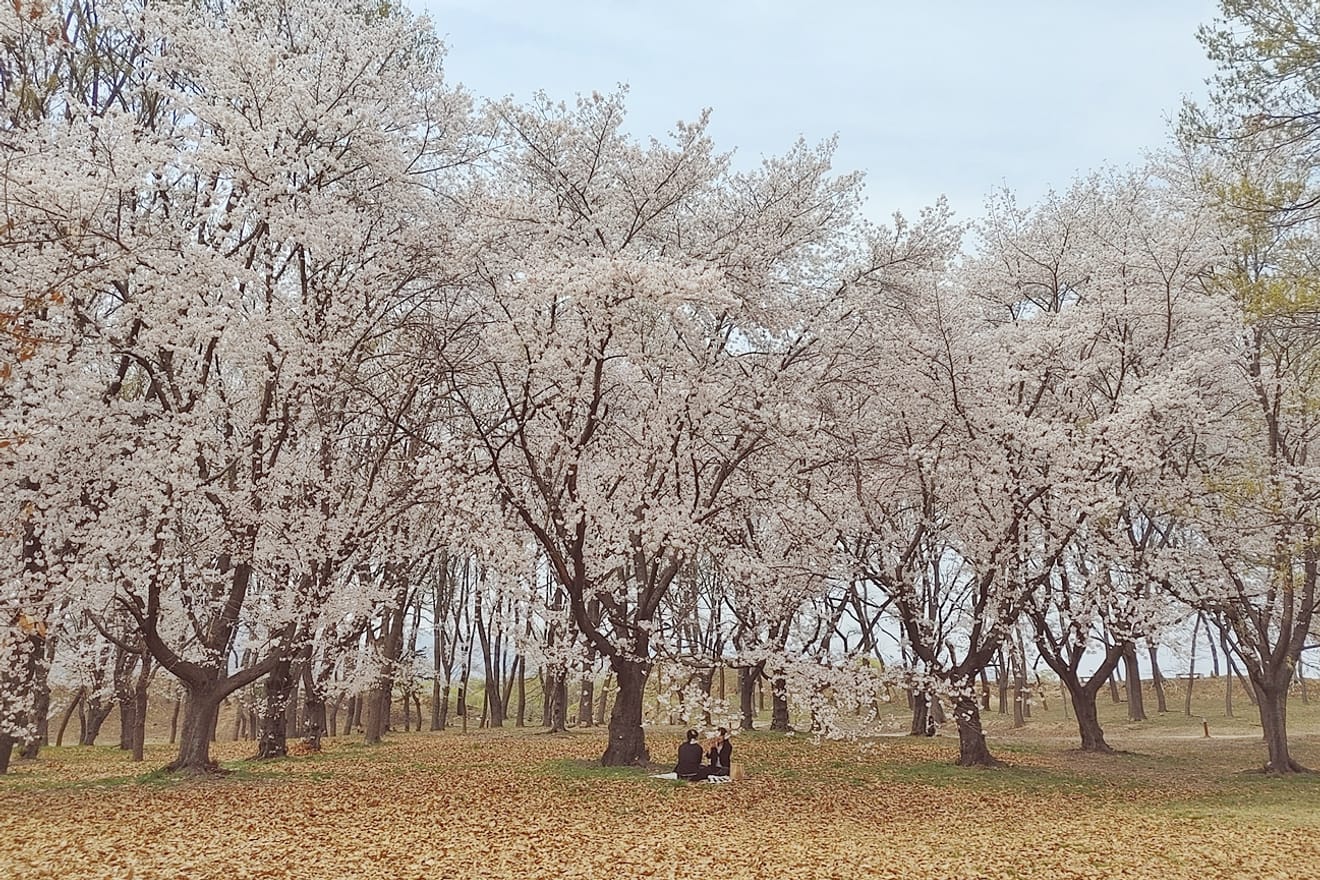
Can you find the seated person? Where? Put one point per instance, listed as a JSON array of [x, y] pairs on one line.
[[720, 754], [689, 760]]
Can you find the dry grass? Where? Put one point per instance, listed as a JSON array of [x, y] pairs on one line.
[[523, 804]]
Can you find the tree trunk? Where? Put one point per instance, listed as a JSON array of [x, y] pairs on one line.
[[586, 700], [779, 704], [521, 702], [923, 720], [1001, 682], [174, 720], [1157, 679], [558, 698], [97, 712], [272, 740], [128, 712], [1191, 666], [627, 743], [201, 706], [315, 723], [972, 749], [600, 704], [1088, 719], [41, 703], [747, 676], [1136, 700], [349, 713], [378, 708], [706, 681], [138, 738], [68, 713], [1273, 704]]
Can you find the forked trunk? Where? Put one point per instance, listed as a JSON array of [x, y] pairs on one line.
[[972, 750], [98, 711], [627, 744], [1088, 720]]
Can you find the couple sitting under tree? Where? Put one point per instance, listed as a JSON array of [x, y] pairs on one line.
[[719, 753]]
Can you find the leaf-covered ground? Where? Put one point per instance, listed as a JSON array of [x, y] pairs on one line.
[[523, 804]]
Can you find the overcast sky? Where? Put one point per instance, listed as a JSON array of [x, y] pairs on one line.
[[928, 97]]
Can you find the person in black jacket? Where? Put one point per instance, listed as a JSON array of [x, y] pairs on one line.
[[720, 754], [689, 760]]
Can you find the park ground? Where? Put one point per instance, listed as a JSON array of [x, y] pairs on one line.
[[523, 803]]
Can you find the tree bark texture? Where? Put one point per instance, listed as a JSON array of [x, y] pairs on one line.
[[627, 741], [972, 748]]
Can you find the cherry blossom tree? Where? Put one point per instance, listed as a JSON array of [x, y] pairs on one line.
[[635, 310], [1117, 268], [236, 243]]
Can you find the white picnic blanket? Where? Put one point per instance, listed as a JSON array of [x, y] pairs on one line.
[[715, 780]]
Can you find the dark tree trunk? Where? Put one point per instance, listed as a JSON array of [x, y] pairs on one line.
[[40, 703], [174, 721], [1273, 705], [779, 704], [272, 738], [521, 701], [972, 749], [747, 676], [586, 700], [138, 740], [1088, 719], [68, 713], [6, 751], [292, 705], [1157, 679], [1136, 700], [627, 743], [1001, 682], [332, 716], [201, 706], [558, 698], [600, 704], [349, 713], [923, 719], [315, 723], [705, 681], [494, 701], [97, 712], [128, 712], [378, 709]]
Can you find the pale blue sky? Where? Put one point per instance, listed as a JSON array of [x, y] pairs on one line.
[[953, 97]]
